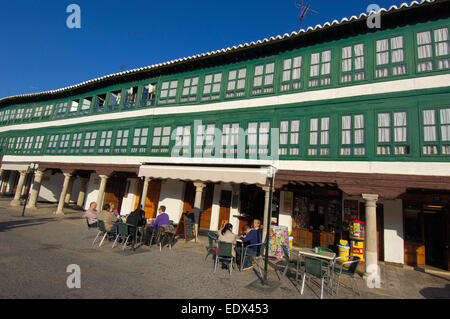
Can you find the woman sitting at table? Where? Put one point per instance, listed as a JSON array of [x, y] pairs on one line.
[[226, 235]]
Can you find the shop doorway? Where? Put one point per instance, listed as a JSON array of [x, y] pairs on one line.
[[435, 233], [252, 206], [115, 191], [225, 206], [207, 200], [152, 199]]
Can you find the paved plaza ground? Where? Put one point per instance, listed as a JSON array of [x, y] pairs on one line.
[[35, 251]]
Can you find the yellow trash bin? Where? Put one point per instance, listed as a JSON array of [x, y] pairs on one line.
[[344, 250]]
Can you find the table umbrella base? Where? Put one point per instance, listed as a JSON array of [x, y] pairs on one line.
[[269, 287]]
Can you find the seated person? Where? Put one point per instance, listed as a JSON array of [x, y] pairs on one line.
[[107, 216], [91, 214], [137, 219], [226, 235], [257, 227], [250, 237], [161, 219]]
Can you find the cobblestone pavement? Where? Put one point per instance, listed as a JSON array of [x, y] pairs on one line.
[[35, 251]]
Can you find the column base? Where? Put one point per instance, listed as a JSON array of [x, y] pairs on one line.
[[31, 206], [60, 213], [15, 202]]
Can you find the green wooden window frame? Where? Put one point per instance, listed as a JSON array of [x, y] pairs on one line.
[[258, 138], [61, 110], [19, 145], [89, 142], [130, 97], [230, 139], [99, 103], [264, 78], [52, 143], [11, 144], [121, 141], [436, 131], [148, 95], [205, 139], [168, 93], [353, 140], [73, 108], [48, 111], [190, 89], [140, 140], [319, 136], [85, 107], [289, 137], [353, 64], [28, 146], [291, 78], [212, 85], [114, 100], [321, 68], [433, 50], [236, 82], [38, 144], [28, 113], [19, 115], [161, 139], [105, 142], [75, 143], [390, 57], [63, 146], [183, 142], [38, 111], [392, 133]]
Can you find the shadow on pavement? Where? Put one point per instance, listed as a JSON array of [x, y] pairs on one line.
[[436, 293], [9, 225]]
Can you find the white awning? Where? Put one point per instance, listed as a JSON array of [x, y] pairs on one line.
[[15, 166], [214, 174]]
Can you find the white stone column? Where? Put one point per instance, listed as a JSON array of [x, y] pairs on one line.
[[198, 204], [69, 191], [82, 193], [266, 190], [144, 192], [101, 191], [34, 193], [1, 181], [371, 260], [62, 197], [20, 184]]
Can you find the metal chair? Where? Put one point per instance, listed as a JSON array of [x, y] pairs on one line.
[[347, 268], [224, 253], [314, 267], [90, 227], [123, 232], [101, 230], [167, 235], [211, 248], [291, 262]]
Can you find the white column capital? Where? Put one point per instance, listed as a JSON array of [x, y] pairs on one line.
[[67, 175], [38, 173], [23, 172], [199, 186], [370, 199]]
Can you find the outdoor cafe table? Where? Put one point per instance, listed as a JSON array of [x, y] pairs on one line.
[[310, 252]]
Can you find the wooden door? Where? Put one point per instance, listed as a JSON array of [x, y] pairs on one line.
[[189, 198], [447, 248], [205, 216], [152, 198], [115, 191], [225, 204]]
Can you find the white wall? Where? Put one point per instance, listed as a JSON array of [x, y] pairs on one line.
[[51, 187], [234, 212], [128, 202], [393, 231], [92, 190], [171, 196], [10, 186]]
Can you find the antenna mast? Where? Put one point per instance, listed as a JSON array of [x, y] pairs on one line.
[[303, 9]]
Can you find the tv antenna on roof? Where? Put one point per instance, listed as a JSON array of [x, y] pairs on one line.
[[303, 8]]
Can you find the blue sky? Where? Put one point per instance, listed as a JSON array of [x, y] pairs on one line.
[[40, 53]]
